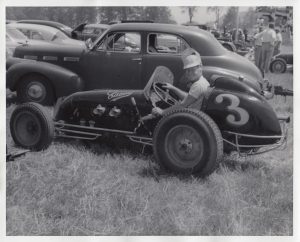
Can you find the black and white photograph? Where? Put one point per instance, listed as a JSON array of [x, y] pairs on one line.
[[130, 119]]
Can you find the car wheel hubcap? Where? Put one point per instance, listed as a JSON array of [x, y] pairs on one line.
[[36, 91], [278, 67], [184, 146]]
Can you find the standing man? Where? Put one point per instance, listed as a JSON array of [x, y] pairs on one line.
[[195, 81], [257, 48], [267, 48], [278, 42]]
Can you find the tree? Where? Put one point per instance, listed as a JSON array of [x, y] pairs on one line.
[[191, 11], [72, 16], [217, 11], [230, 17], [249, 20]]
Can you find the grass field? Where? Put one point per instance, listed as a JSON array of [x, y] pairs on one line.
[[74, 188]]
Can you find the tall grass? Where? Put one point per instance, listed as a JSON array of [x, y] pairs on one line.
[[75, 188]]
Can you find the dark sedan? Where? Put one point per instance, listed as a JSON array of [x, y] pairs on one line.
[[123, 57]]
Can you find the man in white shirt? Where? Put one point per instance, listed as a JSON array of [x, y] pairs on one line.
[[196, 83], [268, 40], [278, 42]]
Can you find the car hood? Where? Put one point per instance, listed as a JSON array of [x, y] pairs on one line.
[[49, 49]]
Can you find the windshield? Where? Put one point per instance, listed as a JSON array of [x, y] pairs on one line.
[[16, 34], [99, 37], [59, 36]]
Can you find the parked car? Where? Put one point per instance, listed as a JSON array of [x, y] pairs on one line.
[[85, 31], [279, 62], [64, 28], [227, 44], [111, 62], [15, 38], [233, 116], [45, 33]]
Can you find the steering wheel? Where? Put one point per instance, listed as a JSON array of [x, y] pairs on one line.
[[164, 94]]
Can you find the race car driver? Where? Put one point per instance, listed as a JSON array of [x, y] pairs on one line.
[[195, 81]]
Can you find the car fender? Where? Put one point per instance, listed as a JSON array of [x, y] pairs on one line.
[[210, 71], [64, 81]]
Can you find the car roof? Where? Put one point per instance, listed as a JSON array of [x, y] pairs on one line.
[[98, 26], [44, 22], [157, 27], [34, 27]]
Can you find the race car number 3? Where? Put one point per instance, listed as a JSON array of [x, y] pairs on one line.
[[239, 115]]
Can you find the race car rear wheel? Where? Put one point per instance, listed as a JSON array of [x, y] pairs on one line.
[[188, 141], [35, 88], [278, 66], [31, 126]]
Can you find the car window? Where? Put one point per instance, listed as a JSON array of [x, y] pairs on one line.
[[16, 34], [122, 42], [26, 32], [165, 43], [99, 30], [37, 35], [88, 30], [61, 36]]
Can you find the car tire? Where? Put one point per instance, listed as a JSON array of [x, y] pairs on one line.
[[35, 88], [278, 66], [31, 126], [188, 141]]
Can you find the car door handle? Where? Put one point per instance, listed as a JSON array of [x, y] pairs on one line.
[[136, 59]]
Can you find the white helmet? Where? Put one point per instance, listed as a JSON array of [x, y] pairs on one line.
[[190, 58]]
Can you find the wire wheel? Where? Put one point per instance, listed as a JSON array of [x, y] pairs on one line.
[[188, 141]]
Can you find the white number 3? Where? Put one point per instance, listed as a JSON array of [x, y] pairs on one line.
[[234, 106]]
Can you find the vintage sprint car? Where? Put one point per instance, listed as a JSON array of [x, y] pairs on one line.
[[232, 116], [121, 58]]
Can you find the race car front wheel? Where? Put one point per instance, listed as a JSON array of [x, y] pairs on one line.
[[31, 126], [188, 141]]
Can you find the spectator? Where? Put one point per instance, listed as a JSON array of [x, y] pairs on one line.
[[268, 40], [257, 48], [278, 42], [245, 34]]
